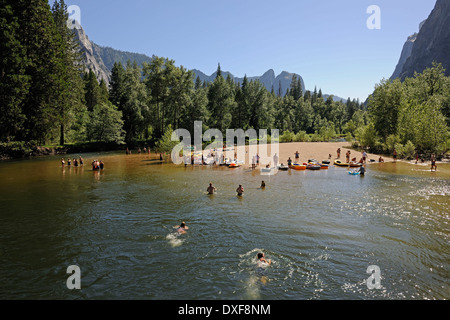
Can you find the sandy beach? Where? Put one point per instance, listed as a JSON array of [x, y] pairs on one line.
[[307, 150]]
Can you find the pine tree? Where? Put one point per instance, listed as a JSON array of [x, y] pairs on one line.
[[92, 91], [14, 80], [299, 87], [46, 65], [116, 85], [219, 71], [70, 83], [198, 83]]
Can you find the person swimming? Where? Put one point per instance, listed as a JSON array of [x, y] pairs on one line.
[[261, 260], [182, 228], [263, 184]]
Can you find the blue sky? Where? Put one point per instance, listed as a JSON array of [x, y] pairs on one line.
[[327, 42]]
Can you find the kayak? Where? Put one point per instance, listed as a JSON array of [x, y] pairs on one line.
[[283, 167], [266, 169], [340, 163], [297, 166], [326, 162], [313, 167], [234, 165], [323, 166], [353, 173]]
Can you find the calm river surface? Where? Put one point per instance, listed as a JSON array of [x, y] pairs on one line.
[[322, 230]]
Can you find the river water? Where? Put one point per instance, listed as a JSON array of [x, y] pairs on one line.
[[321, 229]]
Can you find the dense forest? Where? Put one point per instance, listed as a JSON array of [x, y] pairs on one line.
[[47, 98]]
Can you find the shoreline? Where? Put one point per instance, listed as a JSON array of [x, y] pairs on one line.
[[319, 151]]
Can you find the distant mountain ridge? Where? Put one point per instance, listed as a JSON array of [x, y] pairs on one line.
[[268, 79], [101, 59]]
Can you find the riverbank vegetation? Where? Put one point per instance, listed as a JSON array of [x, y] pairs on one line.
[[49, 99]]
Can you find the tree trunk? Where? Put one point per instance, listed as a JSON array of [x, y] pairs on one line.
[[61, 137]]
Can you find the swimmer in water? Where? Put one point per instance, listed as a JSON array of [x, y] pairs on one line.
[[182, 228], [262, 258], [263, 184]]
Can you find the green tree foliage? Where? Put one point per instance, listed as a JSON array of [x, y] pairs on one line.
[[68, 85], [220, 103], [92, 92], [14, 79], [116, 85], [413, 112], [106, 124], [165, 143], [134, 106], [384, 106]]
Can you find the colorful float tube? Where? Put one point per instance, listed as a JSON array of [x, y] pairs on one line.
[[340, 163], [297, 166]]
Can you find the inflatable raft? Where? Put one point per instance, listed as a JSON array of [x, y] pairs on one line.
[[340, 163], [297, 166]]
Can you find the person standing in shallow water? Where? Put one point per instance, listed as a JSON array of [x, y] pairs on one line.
[[211, 189], [433, 162], [240, 190]]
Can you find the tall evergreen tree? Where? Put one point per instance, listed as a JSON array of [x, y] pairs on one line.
[[116, 85], [42, 40], [220, 102], [93, 95], [70, 87], [14, 79], [219, 71]]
